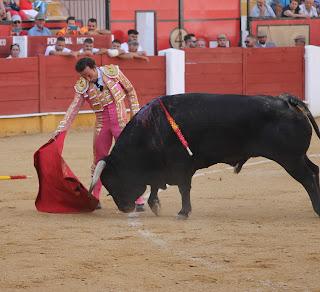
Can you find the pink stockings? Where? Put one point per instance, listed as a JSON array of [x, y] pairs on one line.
[[107, 127]]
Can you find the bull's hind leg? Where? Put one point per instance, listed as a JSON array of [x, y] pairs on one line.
[[305, 172], [185, 196], [314, 168], [153, 201]]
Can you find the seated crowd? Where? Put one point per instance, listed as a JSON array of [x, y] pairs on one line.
[[251, 41], [127, 50], [17, 11], [286, 8]]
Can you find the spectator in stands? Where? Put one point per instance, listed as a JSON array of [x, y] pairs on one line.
[[14, 51], [26, 9], [292, 10], [41, 6], [91, 28], [222, 41], [300, 41], [59, 49], [201, 43], [88, 49], [316, 4], [190, 41], [14, 9], [307, 9], [250, 41], [261, 9], [116, 44], [262, 40], [71, 28], [16, 28], [39, 29], [4, 14], [134, 51], [132, 36]]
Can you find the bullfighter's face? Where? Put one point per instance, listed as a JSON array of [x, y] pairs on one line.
[[90, 74]]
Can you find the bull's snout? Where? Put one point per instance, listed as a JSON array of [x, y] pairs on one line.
[[127, 208]]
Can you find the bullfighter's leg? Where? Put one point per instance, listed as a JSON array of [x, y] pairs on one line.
[[185, 196], [116, 130], [153, 201], [302, 171], [102, 141]]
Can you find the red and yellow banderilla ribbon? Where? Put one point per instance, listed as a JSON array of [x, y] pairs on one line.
[[175, 128]]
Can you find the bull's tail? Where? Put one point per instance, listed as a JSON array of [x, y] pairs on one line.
[[304, 109]]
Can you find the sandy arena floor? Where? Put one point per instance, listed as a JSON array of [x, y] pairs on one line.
[[255, 231]]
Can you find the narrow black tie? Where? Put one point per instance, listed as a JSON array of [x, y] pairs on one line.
[[98, 85]]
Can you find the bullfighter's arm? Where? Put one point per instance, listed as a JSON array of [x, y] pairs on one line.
[[71, 113], [131, 93]]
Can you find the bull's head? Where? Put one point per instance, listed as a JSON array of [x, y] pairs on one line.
[[123, 189]]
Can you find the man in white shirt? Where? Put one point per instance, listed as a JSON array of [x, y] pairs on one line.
[[59, 49], [261, 9], [307, 9], [88, 48], [132, 36]]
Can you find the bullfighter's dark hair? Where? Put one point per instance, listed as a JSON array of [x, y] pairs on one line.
[[85, 62], [133, 31]]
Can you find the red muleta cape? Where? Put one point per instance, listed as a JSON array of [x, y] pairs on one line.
[[60, 191]]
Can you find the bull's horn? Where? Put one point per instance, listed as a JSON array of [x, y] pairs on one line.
[[96, 174]]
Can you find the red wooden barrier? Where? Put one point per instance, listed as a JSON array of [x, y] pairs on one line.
[[19, 86], [246, 71], [214, 70], [274, 71], [45, 84]]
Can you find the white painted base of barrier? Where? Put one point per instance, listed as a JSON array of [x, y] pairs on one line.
[[175, 70], [312, 79]]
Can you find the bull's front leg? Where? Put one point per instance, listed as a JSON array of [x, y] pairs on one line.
[[186, 204], [153, 201]]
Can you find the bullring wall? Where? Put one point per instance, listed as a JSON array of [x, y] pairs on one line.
[[34, 92]]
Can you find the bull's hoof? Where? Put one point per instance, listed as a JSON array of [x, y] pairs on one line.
[[155, 208], [181, 216]]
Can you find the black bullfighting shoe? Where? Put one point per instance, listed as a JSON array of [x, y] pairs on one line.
[[139, 207]]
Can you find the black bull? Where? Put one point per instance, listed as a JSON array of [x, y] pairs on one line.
[[219, 129]]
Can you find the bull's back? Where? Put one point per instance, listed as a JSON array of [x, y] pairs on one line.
[[231, 126]]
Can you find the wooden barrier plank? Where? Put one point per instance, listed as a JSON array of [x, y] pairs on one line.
[[19, 83], [248, 71]]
